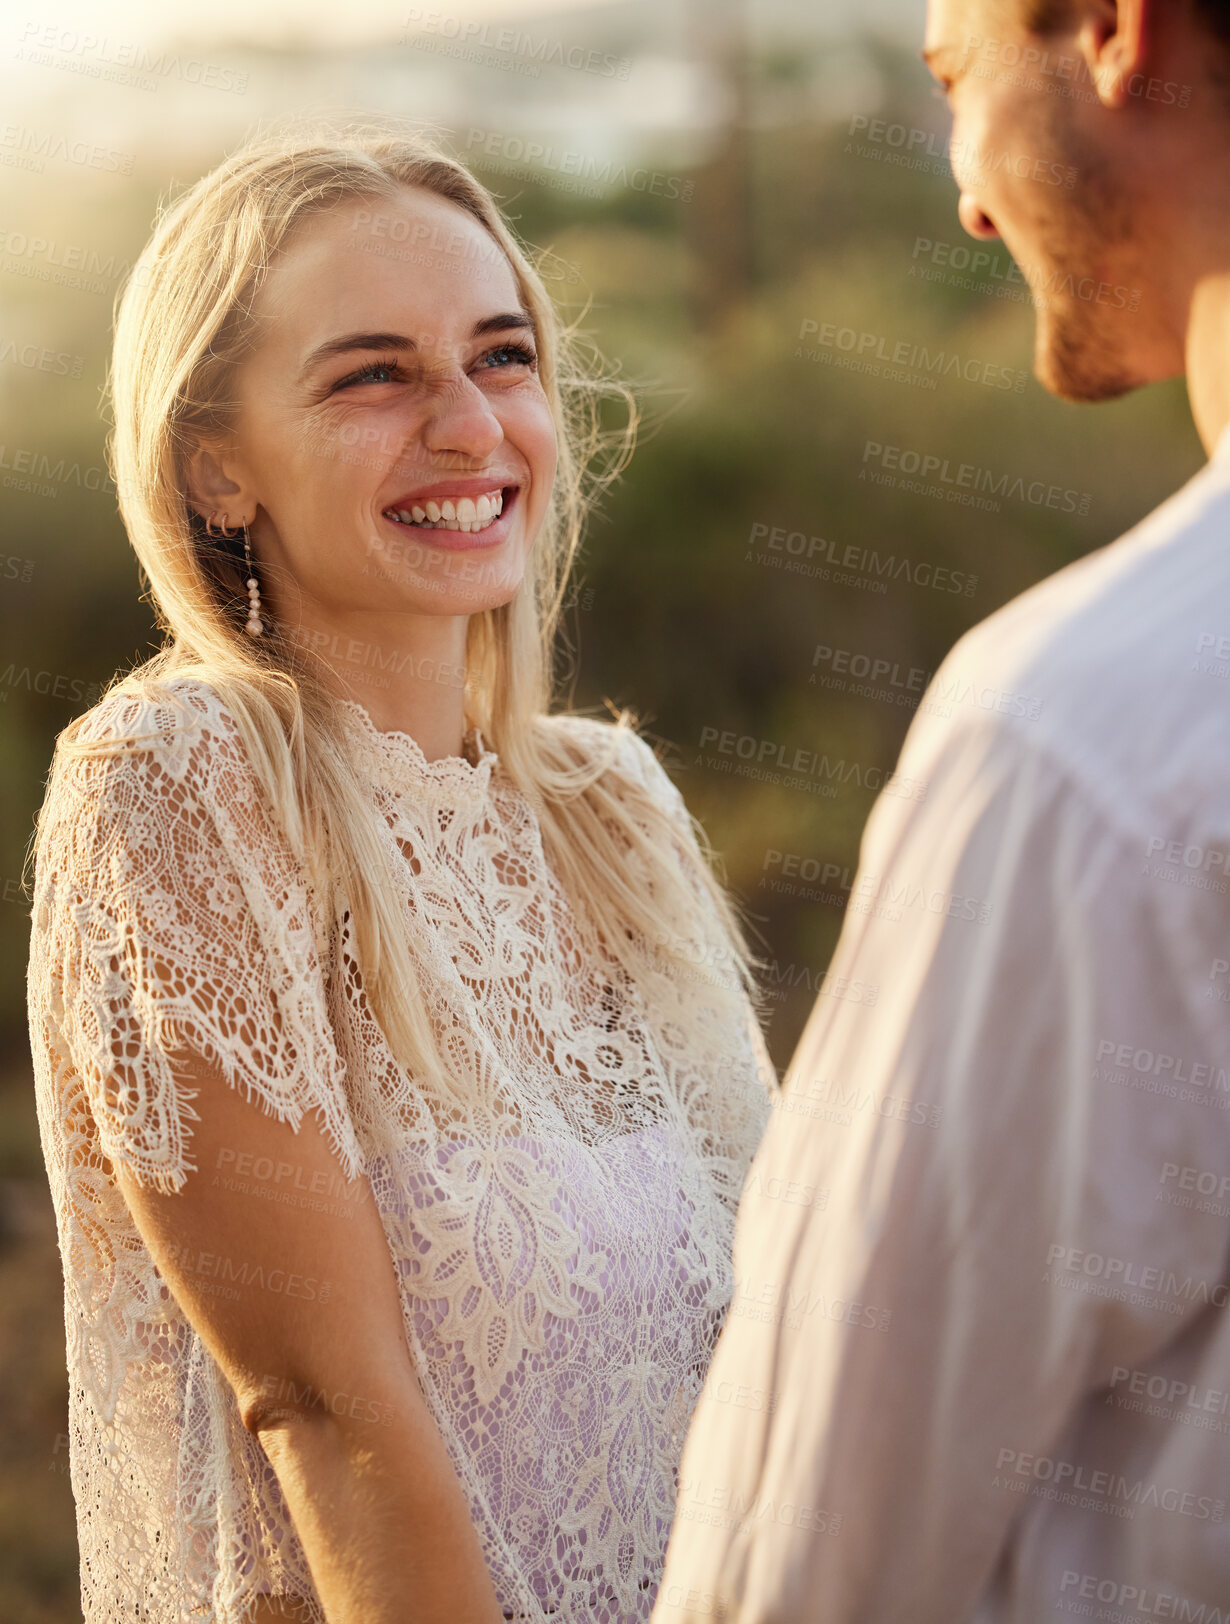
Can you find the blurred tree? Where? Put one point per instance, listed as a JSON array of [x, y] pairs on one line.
[[720, 220]]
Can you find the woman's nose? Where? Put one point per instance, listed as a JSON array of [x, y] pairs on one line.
[[461, 422], [974, 219]]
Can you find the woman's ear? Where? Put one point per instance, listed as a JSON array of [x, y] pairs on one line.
[[210, 486]]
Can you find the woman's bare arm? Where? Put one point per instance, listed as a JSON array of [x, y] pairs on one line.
[[314, 1349]]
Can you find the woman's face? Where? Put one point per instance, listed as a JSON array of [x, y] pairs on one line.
[[393, 439]]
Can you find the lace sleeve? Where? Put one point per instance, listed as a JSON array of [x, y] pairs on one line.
[[722, 1064], [703, 936], [167, 917]]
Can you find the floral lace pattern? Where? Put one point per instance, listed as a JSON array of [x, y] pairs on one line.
[[563, 1252]]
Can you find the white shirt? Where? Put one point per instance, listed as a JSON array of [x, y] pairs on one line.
[[977, 1364]]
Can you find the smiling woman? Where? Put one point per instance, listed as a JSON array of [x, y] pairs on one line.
[[405, 1314], [372, 397]]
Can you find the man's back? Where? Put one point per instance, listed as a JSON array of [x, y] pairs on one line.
[[977, 1363], [978, 1360]]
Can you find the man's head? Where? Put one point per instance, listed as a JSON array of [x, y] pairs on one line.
[[1094, 137]]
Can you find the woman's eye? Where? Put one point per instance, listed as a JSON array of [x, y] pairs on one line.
[[368, 374], [496, 360], [507, 355]]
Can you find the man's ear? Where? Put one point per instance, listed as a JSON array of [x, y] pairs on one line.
[[210, 487], [1115, 41]]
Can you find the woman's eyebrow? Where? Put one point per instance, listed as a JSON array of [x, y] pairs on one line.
[[510, 321], [506, 322]]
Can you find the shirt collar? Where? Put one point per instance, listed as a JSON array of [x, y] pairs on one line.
[[397, 763], [1221, 451]]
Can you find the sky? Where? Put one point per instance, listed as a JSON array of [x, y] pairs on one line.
[[274, 22], [269, 22], [78, 67]]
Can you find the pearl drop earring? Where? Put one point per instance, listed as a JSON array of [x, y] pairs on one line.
[[255, 626]]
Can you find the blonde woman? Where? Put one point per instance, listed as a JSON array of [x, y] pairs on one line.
[[396, 1059]]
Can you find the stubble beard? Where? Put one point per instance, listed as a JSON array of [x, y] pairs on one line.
[[1079, 354]]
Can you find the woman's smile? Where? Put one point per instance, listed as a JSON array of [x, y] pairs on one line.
[[460, 516]]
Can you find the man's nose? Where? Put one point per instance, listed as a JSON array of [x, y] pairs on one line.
[[975, 221], [461, 422]]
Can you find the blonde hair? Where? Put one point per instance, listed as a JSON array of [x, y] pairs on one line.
[[182, 324]]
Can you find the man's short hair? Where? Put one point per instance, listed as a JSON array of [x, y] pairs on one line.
[[1215, 14], [1049, 16], [1046, 16]]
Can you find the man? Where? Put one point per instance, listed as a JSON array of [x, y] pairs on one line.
[[977, 1363]]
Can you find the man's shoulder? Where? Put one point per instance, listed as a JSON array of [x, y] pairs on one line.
[[1118, 664]]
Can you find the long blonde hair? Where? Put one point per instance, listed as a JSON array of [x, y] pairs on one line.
[[182, 324]]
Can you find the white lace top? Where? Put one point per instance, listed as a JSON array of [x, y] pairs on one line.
[[563, 1252]]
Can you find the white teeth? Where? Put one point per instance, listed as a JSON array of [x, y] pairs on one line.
[[467, 514]]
